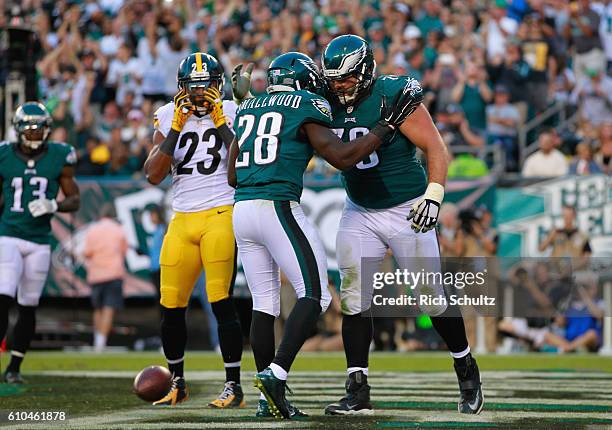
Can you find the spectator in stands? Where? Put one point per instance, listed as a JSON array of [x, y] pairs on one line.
[[582, 29], [593, 95], [124, 74], [497, 29], [568, 241], [105, 248], [547, 161], [472, 92], [583, 163], [93, 158], [604, 142], [455, 129], [502, 122]]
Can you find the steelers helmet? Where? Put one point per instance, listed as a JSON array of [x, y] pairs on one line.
[[196, 73]]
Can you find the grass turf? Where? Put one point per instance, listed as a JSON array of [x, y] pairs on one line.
[[392, 362]]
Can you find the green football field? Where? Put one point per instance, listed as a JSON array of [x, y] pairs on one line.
[[416, 390]]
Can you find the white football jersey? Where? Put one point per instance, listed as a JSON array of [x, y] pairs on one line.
[[199, 164]]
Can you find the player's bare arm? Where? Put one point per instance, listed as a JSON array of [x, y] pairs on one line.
[[157, 166], [420, 129], [341, 155], [72, 197], [231, 166], [159, 160]]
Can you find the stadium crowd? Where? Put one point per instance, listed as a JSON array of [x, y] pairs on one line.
[[487, 67]]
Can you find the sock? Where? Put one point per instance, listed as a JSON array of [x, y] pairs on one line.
[[99, 340], [15, 363], [278, 371], [357, 369], [357, 335], [174, 338], [22, 335], [5, 306], [460, 358], [262, 339], [300, 323], [451, 329], [230, 337]]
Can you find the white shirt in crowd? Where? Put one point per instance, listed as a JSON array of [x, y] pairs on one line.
[[605, 26], [496, 39], [124, 76], [544, 165]]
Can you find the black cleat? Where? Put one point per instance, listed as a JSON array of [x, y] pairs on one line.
[[471, 399], [357, 399], [13, 377]]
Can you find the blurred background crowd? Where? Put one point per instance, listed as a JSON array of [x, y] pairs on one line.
[[517, 88], [489, 67]]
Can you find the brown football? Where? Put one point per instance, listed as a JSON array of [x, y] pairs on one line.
[[152, 383]]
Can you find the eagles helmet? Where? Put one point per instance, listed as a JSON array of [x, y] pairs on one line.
[[196, 74], [32, 123], [346, 56], [293, 71]]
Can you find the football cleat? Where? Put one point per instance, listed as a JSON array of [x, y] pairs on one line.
[[231, 397], [13, 377], [357, 399], [177, 394], [273, 390], [264, 412], [262, 409], [471, 399]]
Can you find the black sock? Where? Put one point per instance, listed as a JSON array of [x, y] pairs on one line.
[[174, 338], [262, 339], [451, 329], [15, 363], [357, 332], [22, 335], [300, 323], [230, 337], [5, 306]]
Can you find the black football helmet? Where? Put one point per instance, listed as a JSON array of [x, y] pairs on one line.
[[196, 74]]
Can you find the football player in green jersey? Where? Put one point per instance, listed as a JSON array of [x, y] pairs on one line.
[[276, 135], [392, 203], [32, 170]]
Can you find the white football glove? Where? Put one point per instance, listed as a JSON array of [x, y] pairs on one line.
[[424, 212], [42, 207]]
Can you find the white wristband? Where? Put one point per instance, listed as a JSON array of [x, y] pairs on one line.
[[434, 192]]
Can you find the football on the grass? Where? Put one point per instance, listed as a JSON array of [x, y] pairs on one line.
[[152, 383]]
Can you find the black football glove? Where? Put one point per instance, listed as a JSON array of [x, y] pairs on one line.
[[403, 105]]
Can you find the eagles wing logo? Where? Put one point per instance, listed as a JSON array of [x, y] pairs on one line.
[[323, 107]]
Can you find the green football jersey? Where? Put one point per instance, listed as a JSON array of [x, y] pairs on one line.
[[392, 174], [26, 180], [274, 152]]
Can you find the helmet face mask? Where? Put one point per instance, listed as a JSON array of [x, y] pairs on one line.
[[197, 73], [32, 123], [347, 56], [197, 90]]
